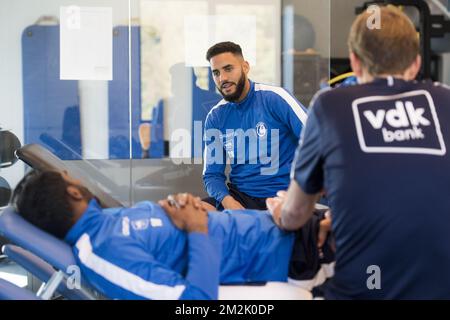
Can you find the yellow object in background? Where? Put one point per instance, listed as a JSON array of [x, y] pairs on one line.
[[340, 77]]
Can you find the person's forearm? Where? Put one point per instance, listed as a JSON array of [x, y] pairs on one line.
[[297, 208], [229, 202], [215, 186], [294, 220], [197, 227]]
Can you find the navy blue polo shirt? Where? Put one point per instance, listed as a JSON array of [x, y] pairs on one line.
[[380, 152]]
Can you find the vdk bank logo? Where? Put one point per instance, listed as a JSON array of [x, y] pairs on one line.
[[403, 123]]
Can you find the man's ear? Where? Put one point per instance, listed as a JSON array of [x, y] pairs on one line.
[[413, 69], [246, 66], [74, 193], [355, 63]]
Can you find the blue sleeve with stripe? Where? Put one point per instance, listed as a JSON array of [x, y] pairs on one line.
[[288, 110], [214, 163], [137, 275]]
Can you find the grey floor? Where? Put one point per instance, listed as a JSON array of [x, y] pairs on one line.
[[13, 273]]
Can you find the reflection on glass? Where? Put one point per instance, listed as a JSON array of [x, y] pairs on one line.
[[170, 86], [175, 36], [67, 56], [76, 119], [306, 47]]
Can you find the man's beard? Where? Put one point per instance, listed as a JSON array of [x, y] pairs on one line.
[[238, 92]]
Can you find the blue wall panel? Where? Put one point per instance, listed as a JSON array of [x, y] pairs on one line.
[[51, 105]]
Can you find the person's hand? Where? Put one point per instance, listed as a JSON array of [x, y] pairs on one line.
[[190, 216], [182, 199], [324, 230], [197, 201], [274, 205], [230, 203]]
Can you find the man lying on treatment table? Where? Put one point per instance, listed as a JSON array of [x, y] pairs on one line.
[[170, 250]]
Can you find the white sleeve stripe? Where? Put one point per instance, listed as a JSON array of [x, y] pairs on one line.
[[124, 278], [204, 158], [298, 110], [220, 103]]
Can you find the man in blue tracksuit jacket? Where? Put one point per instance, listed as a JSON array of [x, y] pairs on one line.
[[155, 251], [255, 126]]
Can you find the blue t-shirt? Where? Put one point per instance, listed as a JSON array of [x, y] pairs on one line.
[[379, 150], [258, 136]]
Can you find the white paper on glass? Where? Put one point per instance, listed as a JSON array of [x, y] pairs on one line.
[[203, 31], [85, 43]]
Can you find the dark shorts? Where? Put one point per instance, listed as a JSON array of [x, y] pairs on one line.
[[306, 259], [248, 202]]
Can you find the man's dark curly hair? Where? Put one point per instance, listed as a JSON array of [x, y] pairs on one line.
[[41, 198], [223, 47]]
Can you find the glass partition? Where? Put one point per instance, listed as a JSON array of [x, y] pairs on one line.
[[177, 90], [119, 90], [65, 85], [306, 47], [285, 42]]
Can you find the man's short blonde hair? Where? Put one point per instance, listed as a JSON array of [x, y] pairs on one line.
[[390, 49]]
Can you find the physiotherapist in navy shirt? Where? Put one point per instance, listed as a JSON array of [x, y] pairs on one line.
[[379, 150], [255, 126]]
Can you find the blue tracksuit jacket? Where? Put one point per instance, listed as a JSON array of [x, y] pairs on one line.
[[259, 136], [137, 253]]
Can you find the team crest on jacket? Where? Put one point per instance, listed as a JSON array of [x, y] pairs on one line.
[[141, 224], [261, 129]]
